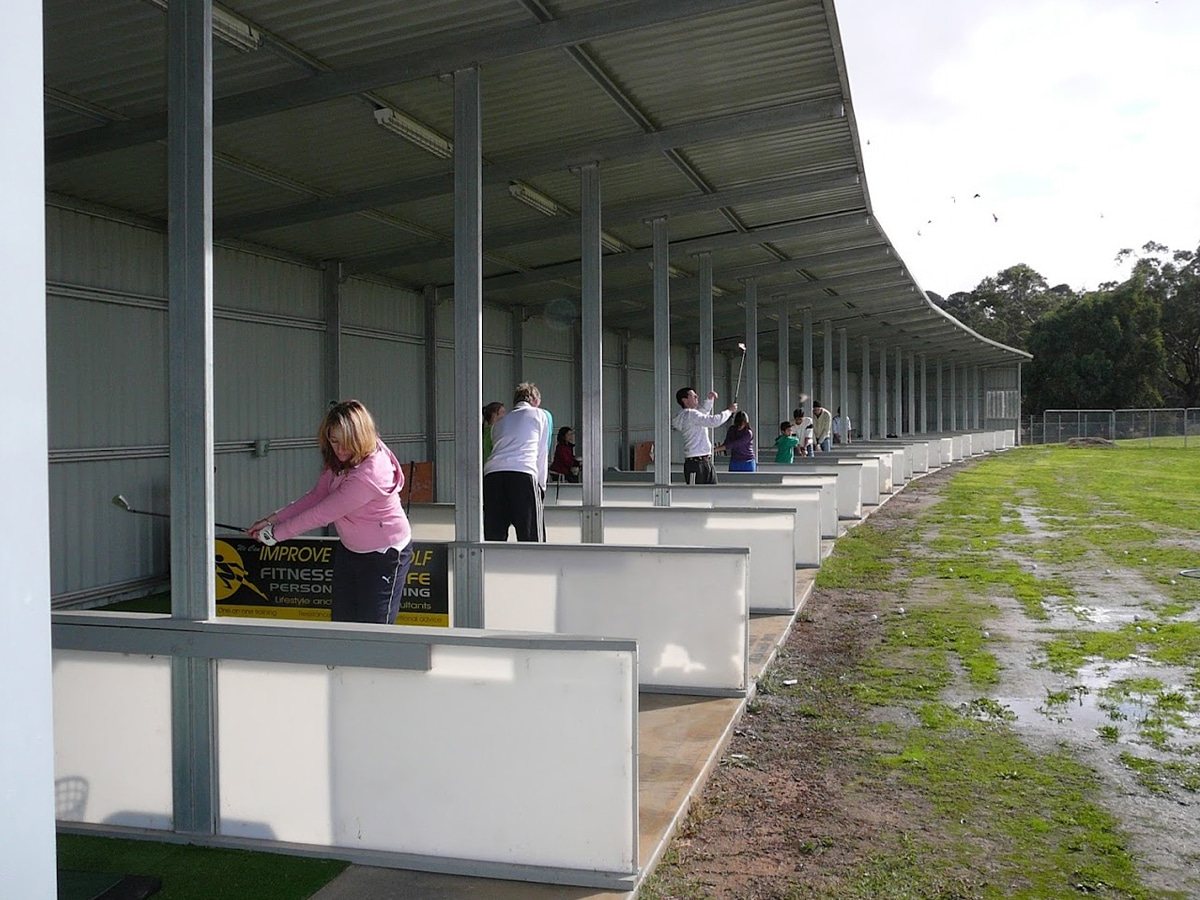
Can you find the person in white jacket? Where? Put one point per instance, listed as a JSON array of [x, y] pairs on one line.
[[514, 476], [693, 421]]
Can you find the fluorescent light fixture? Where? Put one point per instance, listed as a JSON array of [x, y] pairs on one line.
[[535, 199], [673, 271], [414, 132], [235, 31], [613, 243], [228, 28]]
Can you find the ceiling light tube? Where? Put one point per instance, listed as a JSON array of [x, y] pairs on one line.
[[228, 28], [547, 206], [673, 271], [414, 132], [613, 243], [235, 31]]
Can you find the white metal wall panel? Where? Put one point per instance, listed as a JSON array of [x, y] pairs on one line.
[[260, 284], [249, 486], [641, 352], [267, 381], [389, 377], [91, 251], [614, 454], [92, 542], [106, 369], [380, 307], [556, 379]]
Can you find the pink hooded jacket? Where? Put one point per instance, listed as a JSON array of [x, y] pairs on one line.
[[363, 503]]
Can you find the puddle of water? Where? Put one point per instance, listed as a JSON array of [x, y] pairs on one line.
[[1107, 615], [1087, 708]]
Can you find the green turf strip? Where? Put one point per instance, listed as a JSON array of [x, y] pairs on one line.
[[200, 873]]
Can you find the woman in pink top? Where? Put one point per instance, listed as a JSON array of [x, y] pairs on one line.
[[358, 492]]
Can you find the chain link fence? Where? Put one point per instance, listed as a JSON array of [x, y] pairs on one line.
[[1178, 428]]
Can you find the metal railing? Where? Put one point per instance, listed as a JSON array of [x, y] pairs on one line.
[[1177, 428]]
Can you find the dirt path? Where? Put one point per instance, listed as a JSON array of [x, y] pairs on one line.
[[801, 806]]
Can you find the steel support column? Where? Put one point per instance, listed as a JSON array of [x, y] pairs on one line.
[[785, 362], [431, 382], [468, 351], [592, 355], [664, 397], [750, 376], [864, 413], [705, 370], [190, 377]]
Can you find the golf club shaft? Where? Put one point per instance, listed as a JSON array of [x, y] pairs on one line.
[[737, 390], [158, 515]]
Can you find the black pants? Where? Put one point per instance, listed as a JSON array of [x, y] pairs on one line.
[[512, 498], [699, 470], [368, 587]]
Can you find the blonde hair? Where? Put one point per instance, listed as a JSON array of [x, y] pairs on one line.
[[527, 392], [356, 430]]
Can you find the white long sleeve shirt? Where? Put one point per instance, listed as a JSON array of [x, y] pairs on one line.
[[521, 443], [693, 424]]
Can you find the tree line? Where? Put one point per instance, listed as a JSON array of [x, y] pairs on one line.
[[1127, 345]]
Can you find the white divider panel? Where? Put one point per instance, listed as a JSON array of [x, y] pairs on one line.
[[869, 480], [883, 461], [935, 454], [432, 521], [768, 533], [792, 476], [848, 473], [112, 738], [988, 441], [920, 457], [947, 450], [805, 500], [687, 607], [1010, 438], [518, 756], [455, 750]]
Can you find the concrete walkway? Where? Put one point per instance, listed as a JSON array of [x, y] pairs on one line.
[[680, 740]]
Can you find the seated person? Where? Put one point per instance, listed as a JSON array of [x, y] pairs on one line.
[[565, 463]]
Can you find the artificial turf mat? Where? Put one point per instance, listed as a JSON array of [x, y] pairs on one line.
[[74, 885], [188, 872]]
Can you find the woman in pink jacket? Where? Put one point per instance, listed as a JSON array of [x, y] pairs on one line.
[[358, 492]]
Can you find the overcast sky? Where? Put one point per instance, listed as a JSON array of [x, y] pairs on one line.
[[1077, 122]]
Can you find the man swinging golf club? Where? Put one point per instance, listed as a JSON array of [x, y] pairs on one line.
[[693, 421]]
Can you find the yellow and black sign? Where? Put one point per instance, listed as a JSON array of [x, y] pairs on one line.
[[294, 580]]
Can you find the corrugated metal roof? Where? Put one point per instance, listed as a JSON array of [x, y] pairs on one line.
[[768, 177]]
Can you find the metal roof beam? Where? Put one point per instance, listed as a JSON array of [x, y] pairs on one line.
[[570, 268], [537, 162], [409, 64], [568, 226]]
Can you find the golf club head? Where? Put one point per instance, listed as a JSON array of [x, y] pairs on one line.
[[741, 346], [119, 500]]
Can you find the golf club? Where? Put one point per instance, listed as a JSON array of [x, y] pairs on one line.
[[737, 390], [120, 501]]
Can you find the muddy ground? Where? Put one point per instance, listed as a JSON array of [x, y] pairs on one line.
[[790, 814]]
